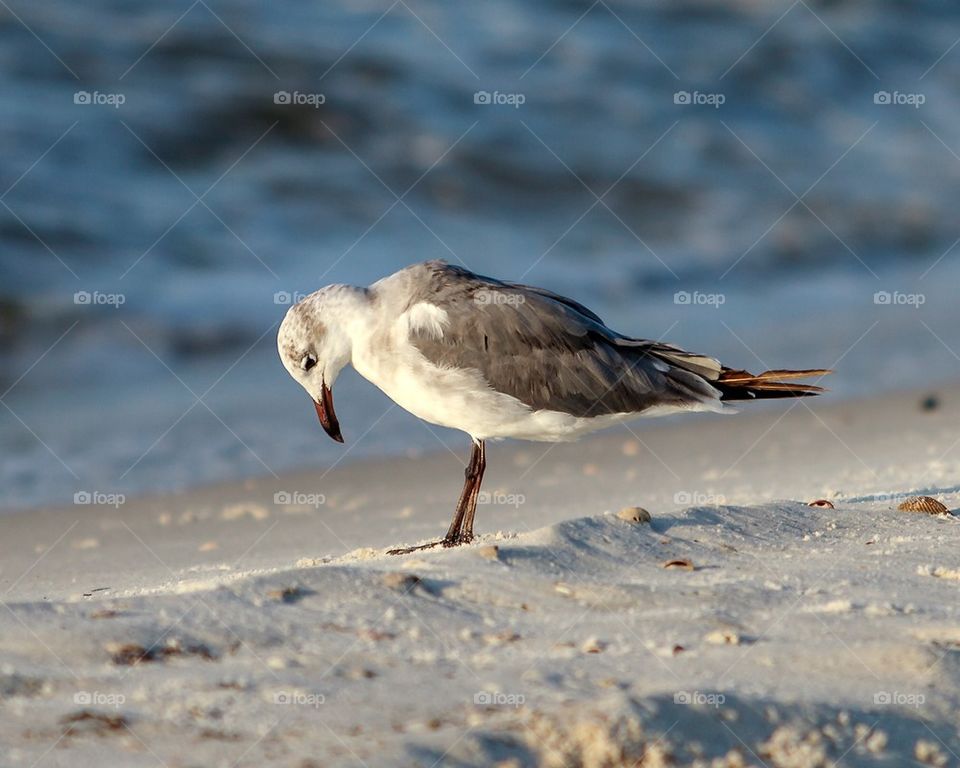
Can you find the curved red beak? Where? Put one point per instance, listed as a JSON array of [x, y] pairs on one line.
[[326, 414]]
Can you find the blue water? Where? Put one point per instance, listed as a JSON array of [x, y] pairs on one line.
[[101, 198]]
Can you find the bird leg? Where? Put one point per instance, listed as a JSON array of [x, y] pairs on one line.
[[478, 463], [461, 527]]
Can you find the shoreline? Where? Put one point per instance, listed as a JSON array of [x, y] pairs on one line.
[[459, 443]]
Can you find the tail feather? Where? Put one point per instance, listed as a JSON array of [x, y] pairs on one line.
[[741, 385], [733, 384]]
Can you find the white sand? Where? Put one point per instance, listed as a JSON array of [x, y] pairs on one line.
[[283, 635]]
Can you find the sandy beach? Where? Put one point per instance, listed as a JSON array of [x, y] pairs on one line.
[[194, 575], [262, 623]]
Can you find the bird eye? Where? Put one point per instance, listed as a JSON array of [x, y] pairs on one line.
[[308, 362]]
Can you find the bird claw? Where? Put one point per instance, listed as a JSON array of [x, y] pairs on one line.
[[408, 550], [446, 543]]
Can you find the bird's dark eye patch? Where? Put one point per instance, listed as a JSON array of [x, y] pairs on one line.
[[308, 362]]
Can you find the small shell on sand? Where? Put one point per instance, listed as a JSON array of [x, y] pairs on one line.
[[681, 563], [723, 637], [593, 645], [634, 515], [404, 582], [822, 503], [923, 504]]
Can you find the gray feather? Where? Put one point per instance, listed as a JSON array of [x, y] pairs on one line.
[[548, 351]]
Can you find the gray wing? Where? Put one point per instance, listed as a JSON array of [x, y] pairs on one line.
[[549, 352]]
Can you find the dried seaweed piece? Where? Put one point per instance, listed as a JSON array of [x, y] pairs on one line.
[[130, 654], [92, 722]]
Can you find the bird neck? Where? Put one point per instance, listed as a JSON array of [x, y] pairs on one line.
[[348, 307]]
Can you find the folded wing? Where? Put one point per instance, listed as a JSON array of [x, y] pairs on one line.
[[552, 353]]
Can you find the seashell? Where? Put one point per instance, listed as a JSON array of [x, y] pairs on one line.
[[404, 582], [679, 562], [593, 645], [822, 503], [634, 515], [723, 637], [923, 504]]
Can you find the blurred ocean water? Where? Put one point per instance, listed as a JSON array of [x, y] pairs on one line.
[[773, 183]]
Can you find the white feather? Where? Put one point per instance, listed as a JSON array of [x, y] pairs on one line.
[[423, 319]]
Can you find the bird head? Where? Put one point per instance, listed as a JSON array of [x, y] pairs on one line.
[[314, 347]]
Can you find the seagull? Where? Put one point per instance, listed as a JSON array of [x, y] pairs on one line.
[[495, 360]]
